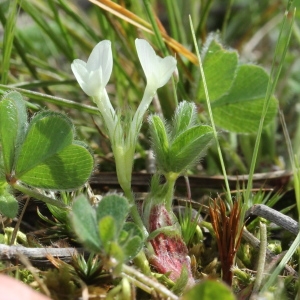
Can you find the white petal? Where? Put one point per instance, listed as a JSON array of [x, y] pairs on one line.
[[94, 75], [95, 84], [106, 61], [101, 56], [79, 69], [147, 57], [165, 70], [157, 70]]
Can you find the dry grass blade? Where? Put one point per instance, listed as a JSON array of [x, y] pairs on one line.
[[228, 235], [138, 22]]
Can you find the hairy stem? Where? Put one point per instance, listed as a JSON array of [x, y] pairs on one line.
[[32, 193]]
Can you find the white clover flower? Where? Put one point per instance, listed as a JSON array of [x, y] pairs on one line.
[[94, 74], [157, 70]]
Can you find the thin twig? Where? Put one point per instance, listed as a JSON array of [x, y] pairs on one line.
[[274, 216], [12, 252], [25, 261], [16, 229]]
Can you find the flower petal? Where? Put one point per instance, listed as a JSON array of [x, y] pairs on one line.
[[94, 75], [80, 72], [157, 70], [101, 56], [95, 83], [79, 69], [165, 70], [147, 57]]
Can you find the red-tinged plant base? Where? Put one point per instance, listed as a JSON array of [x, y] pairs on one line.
[[170, 251]]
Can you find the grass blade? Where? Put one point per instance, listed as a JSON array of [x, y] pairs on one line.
[[9, 34]]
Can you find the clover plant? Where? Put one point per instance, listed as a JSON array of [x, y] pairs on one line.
[[104, 229], [176, 149], [177, 146], [93, 77], [40, 154]]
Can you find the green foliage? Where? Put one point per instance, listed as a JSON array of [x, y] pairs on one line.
[[8, 204], [208, 290], [220, 69], [189, 225], [43, 154], [181, 282], [107, 231], [90, 270], [49, 158], [178, 146], [115, 206], [50, 133], [237, 91], [85, 224], [8, 40], [104, 229], [13, 123], [130, 239]]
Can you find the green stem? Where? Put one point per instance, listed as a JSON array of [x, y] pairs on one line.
[[130, 272], [156, 30], [227, 15], [134, 213], [139, 114], [275, 72], [51, 99], [108, 113], [229, 199], [142, 263], [261, 261], [32, 193], [203, 18], [170, 4], [124, 164], [8, 40], [288, 255], [171, 180]]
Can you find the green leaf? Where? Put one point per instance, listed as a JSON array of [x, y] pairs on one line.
[[188, 147], [209, 290], [240, 109], [83, 219], [46, 156], [182, 281], [115, 206], [132, 248], [219, 68], [131, 240], [185, 117], [48, 133], [67, 169], [13, 122], [133, 229], [8, 205], [160, 141], [237, 93], [107, 231]]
